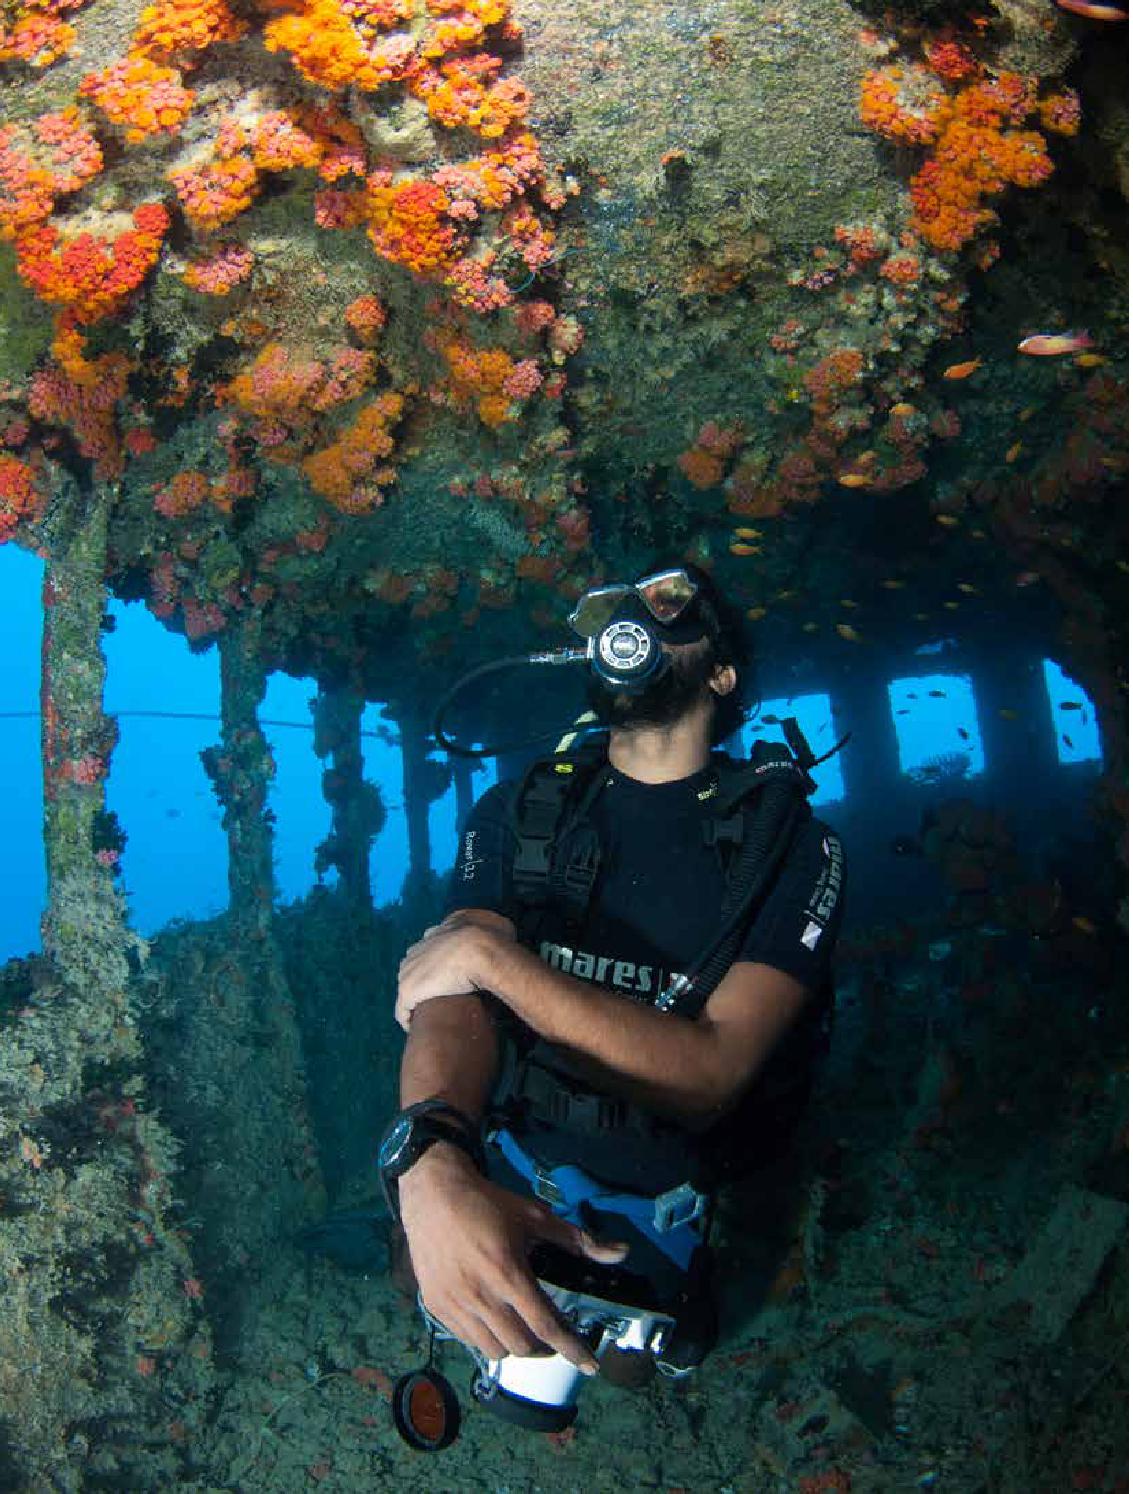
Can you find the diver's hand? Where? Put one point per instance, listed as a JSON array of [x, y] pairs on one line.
[[469, 1239], [447, 960]]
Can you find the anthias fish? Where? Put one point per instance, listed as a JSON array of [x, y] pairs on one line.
[[1052, 344], [963, 370], [1093, 11]]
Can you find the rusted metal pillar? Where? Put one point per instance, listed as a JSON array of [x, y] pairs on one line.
[[84, 929], [357, 812], [241, 769], [103, 1325]]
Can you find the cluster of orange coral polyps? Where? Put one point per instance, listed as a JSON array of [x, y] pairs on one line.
[[40, 161], [214, 192], [347, 473], [88, 409], [92, 277], [283, 384], [407, 222], [140, 96], [36, 38], [188, 26], [461, 93], [481, 374], [978, 149], [972, 162], [903, 104], [832, 377], [327, 50], [280, 143], [20, 498]]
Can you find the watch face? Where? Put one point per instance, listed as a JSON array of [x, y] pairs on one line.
[[395, 1143]]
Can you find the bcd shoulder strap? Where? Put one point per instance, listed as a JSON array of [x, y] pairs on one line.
[[556, 852], [739, 783]]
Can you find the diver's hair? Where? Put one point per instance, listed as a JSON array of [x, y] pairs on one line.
[[726, 629]]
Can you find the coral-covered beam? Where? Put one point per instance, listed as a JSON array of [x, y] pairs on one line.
[[83, 928]]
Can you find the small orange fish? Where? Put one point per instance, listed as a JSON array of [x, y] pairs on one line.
[[755, 613], [739, 548], [894, 585], [1026, 414], [854, 480], [1008, 714], [748, 534], [949, 521], [1012, 452], [1090, 360], [851, 635], [846, 602], [1085, 924], [1054, 344], [952, 606], [963, 370], [904, 409], [1093, 11]]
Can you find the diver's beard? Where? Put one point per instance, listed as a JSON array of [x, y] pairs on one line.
[[662, 703]]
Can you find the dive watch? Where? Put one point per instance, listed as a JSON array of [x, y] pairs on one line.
[[410, 1134]]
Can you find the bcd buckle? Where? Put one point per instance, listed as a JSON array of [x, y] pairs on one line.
[[544, 1186], [680, 1205]]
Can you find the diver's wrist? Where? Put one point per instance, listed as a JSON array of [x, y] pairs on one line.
[[441, 1162]]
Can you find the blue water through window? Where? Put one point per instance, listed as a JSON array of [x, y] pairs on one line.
[[937, 724], [1074, 718], [816, 721]]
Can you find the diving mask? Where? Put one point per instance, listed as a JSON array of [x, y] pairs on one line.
[[665, 595]]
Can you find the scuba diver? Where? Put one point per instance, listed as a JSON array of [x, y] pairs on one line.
[[621, 1010]]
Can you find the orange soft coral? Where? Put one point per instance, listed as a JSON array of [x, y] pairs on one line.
[[327, 50], [408, 222], [92, 277], [347, 473], [140, 96], [903, 104], [36, 38], [366, 316], [977, 146], [214, 192], [286, 385], [41, 161], [280, 143], [188, 26], [184, 492], [20, 496], [491, 378], [87, 407]]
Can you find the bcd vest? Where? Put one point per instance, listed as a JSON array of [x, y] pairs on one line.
[[755, 811]]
